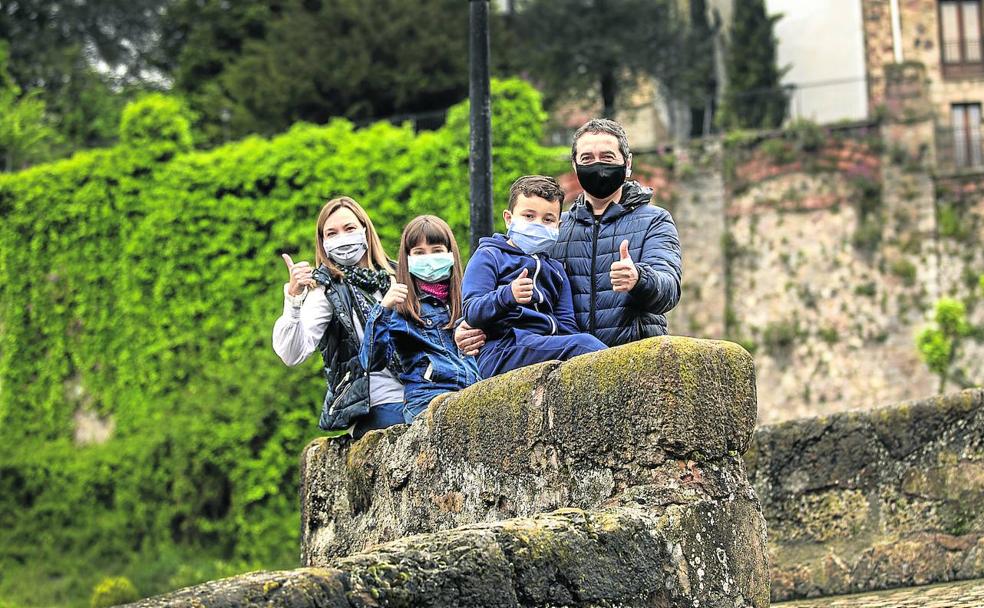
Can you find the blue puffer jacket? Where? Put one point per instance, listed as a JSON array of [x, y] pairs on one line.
[[486, 291], [431, 362], [588, 246]]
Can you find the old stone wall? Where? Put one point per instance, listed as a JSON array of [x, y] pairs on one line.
[[616, 478], [823, 253], [862, 501], [657, 425]]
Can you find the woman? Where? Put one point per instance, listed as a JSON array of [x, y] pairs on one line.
[[325, 309]]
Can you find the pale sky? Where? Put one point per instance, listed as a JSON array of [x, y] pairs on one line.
[[823, 41]]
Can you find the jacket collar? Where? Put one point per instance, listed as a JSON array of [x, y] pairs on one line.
[[634, 195]]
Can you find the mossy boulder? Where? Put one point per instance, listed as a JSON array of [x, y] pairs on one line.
[[656, 422], [872, 500], [614, 479], [616, 557]]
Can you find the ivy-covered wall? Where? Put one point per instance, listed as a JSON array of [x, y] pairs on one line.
[[138, 290]]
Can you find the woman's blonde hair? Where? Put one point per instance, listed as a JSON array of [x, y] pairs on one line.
[[376, 255], [433, 231]]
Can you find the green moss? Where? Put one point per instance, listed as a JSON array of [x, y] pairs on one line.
[[905, 270], [824, 516], [113, 592]]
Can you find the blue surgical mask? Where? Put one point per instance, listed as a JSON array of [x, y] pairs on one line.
[[432, 267], [532, 237]]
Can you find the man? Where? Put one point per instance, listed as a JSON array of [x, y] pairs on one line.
[[622, 254]]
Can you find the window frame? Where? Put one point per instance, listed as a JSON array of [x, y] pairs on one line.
[[961, 68], [973, 152]]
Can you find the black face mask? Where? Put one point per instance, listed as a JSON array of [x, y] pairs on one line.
[[601, 180]]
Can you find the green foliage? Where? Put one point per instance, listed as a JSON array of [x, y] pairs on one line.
[[25, 133], [829, 335], [600, 51], [905, 270], [260, 66], [144, 292], [868, 232], [952, 222], [113, 592], [807, 135], [778, 151], [754, 97], [938, 345], [55, 49], [780, 336], [868, 289], [157, 123]]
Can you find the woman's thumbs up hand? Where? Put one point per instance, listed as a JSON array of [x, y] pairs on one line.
[[301, 275]]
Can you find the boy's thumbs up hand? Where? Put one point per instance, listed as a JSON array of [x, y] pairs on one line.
[[624, 273], [522, 287]]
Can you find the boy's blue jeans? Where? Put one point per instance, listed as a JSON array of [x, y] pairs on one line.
[[380, 416], [520, 348]]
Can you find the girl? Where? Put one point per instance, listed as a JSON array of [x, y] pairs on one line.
[[325, 310], [416, 317]]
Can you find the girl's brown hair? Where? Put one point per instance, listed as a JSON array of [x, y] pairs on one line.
[[376, 256], [433, 231]]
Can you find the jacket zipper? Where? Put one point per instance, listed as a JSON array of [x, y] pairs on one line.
[[594, 290], [536, 307]]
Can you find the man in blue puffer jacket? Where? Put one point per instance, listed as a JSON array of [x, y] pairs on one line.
[[621, 253]]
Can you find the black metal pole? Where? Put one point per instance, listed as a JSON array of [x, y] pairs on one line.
[[480, 148]]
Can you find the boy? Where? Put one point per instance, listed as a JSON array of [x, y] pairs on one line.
[[516, 293]]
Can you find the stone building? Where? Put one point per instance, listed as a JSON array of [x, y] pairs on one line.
[[923, 58]]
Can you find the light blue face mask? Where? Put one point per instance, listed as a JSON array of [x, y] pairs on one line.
[[532, 237], [432, 267]]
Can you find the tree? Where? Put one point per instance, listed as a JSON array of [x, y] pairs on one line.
[[572, 47], [25, 134], [701, 55], [754, 97], [81, 58], [258, 67], [938, 345]]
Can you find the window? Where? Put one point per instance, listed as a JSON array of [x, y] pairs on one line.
[[960, 31], [966, 123]]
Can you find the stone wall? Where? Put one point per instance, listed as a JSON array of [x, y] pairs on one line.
[[616, 478], [824, 253], [873, 500]]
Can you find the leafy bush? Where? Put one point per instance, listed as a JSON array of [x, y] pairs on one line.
[[113, 592], [905, 270], [938, 345], [780, 336], [140, 284]]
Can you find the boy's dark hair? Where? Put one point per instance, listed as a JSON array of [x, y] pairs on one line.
[[602, 125], [536, 185]]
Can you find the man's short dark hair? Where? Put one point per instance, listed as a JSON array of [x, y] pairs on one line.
[[602, 125], [536, 185]]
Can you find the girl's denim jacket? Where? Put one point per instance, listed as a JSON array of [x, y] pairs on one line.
[[431, 362]]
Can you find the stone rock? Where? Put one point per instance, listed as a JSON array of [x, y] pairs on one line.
[[614, 479], [864, 501], [654, 423]]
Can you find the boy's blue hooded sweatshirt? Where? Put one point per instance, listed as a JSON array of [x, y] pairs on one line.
[[487, 295]]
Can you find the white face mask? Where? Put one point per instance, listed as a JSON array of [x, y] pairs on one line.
[[348, 248]]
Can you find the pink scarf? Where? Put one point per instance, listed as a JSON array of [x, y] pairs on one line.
[[440, 290]]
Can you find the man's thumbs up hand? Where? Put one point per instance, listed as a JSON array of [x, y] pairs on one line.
[[624, 273]]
